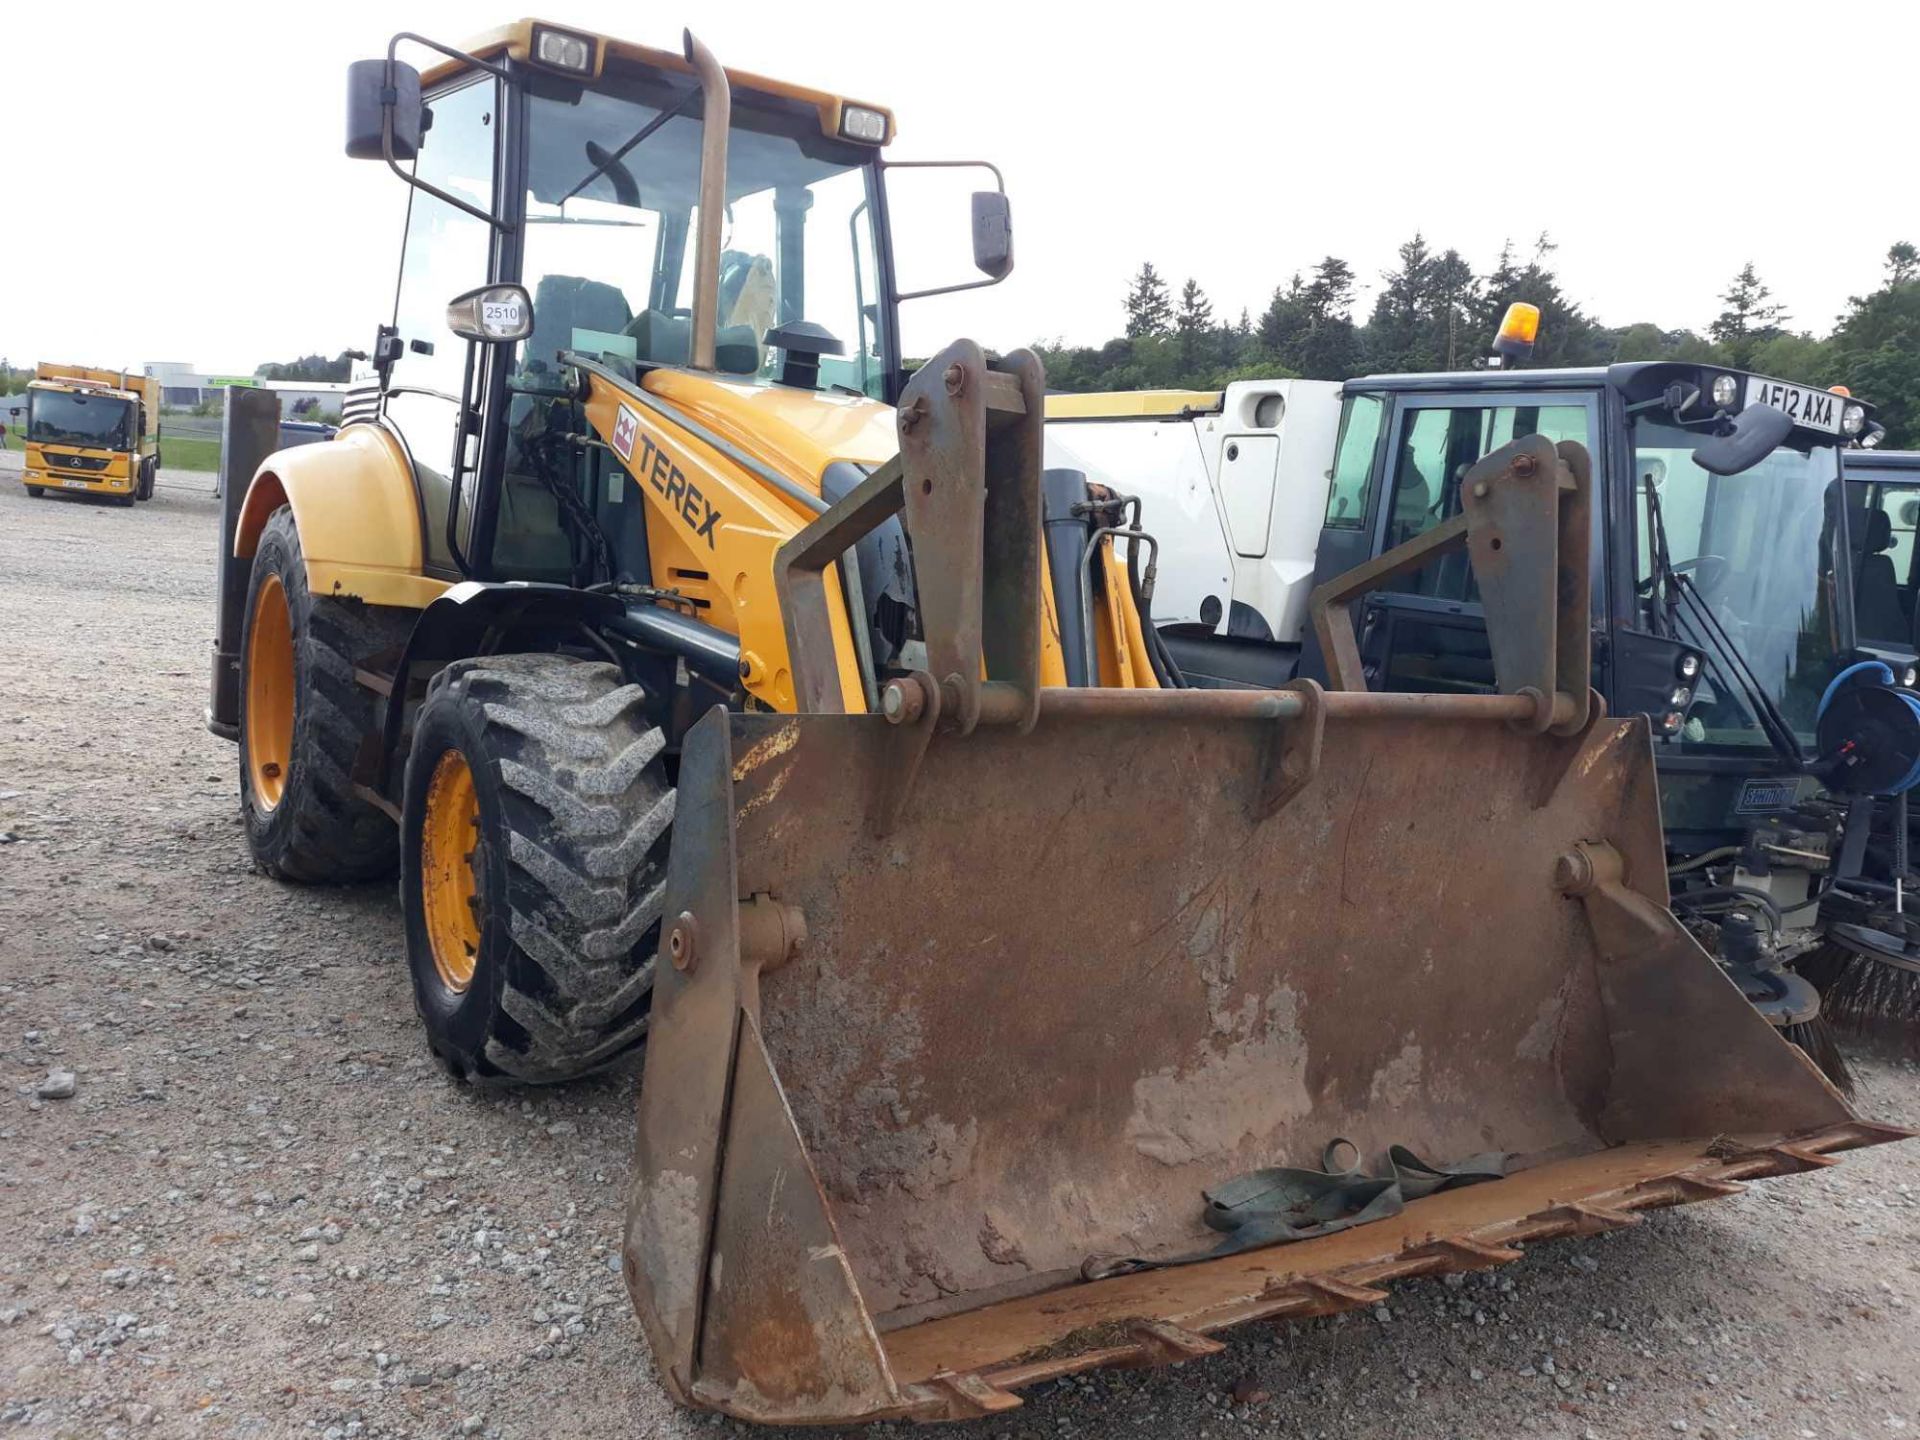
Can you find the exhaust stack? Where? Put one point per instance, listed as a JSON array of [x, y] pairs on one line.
[[716, 113]]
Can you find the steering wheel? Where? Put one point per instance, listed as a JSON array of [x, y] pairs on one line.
[[1709, 572]]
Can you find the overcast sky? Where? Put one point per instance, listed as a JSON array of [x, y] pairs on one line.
[[216, 220]]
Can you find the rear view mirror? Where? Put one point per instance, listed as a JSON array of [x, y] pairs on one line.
[[368, 100], [492, 314], [992, 233], [1757, 431], [960, 233]]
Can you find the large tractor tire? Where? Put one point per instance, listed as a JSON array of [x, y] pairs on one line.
[[302, 718], [36, 491], [533, 862], [149, 472]]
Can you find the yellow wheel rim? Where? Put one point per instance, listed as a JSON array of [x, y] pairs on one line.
[[449, 871], [269, 681]]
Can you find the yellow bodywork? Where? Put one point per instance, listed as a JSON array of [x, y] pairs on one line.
[[102, 471], [353, 502], [1132, 404], [51, 466], [713, 528], [516, 40]]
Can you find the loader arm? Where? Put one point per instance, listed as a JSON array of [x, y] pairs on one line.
[[958, 999], [716, 518]]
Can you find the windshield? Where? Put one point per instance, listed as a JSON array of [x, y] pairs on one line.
[[1882, 517], [612, 184], [1758, 551], [60, 417]]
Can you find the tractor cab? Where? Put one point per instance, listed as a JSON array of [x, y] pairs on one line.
[[1723, 593], [557, 176]]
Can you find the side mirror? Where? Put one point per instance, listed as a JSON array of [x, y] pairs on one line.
[[992, 233], [368, 101], [492, 314], [1756, 431]]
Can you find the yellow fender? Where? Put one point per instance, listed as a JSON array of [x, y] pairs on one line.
[[353, 501]]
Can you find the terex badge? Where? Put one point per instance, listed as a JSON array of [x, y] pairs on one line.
[[625, 428]]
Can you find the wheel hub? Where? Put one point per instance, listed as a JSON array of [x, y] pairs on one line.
[[449, 871]]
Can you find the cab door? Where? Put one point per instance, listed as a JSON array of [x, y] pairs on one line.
[[1427, 631]]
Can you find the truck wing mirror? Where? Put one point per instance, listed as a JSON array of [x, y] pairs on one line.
[[1757, 431], [370, 94], [992, 233], [492, 314]]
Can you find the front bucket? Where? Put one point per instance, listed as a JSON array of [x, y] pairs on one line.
[[901, 1087]]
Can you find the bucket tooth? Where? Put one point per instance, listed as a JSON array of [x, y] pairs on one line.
[[1326, 1295], [1164, 1343], [1585, 1217], [948, 1396], [1795, 1157], [1462, 1252], [1688, 1189], [1866, 1132]]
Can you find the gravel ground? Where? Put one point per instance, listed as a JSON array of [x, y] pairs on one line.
[[262, 1212]]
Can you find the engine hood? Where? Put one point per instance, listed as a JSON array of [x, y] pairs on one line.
[[797, 432]]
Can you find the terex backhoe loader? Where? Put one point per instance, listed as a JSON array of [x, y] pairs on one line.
[[707, 697]]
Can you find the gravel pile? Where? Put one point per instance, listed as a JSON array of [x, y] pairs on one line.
[[236, 1199]]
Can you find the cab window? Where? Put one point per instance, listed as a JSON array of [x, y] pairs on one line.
[[1444, 649], [1437, 446], [447, 251], [1353, 461], [1881, 523]]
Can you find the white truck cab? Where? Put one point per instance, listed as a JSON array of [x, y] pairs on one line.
[[1234, 487]]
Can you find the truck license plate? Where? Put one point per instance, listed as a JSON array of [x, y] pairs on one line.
[[1816, 409]]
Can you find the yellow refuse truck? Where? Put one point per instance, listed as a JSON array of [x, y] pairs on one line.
[[95, 431]]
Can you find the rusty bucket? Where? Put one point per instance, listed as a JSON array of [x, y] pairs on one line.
[[902, 1087], [959, 998]]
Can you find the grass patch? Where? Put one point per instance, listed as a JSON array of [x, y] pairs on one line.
[[177, 453]]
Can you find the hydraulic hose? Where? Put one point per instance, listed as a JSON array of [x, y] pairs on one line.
[[1704, 899], [1165, 669], [1725, 852]]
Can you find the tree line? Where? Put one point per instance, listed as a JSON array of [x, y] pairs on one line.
[[1434, 311]]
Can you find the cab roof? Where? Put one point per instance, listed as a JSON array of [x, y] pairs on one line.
[[1133, 405], [514, 39], [1869, 464], [81, 387]]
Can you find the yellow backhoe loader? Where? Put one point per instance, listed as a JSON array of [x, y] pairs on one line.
[[712, 681]]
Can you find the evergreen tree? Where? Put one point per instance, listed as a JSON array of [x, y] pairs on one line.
[[1875, 349], [1447, 318], [1393, 335], [1750, 318], [1149, 311], [1329, 348], [1567, 335], [1903, 263], [1280, 322], [1194, 322]]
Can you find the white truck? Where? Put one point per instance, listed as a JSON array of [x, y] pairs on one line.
[[1234, 484]]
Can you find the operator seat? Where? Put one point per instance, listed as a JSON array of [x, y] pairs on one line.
[[747, 295], [1877, 611], [565, 303]]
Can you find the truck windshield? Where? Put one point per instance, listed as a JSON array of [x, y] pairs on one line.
[[612, 189], [1759, 550], [61, 417]]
